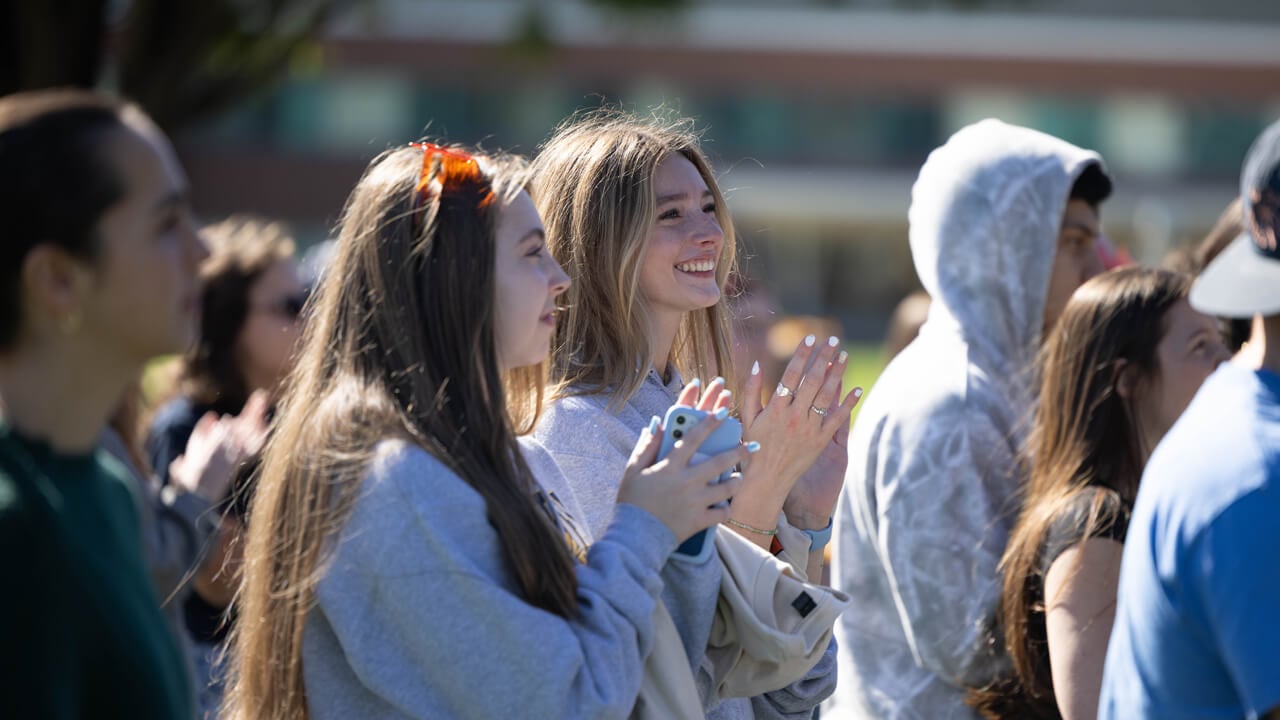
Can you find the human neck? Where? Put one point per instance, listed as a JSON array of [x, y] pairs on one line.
[[1268, 327], [254, 381], [1250, 354], [663, 326], [61, 393]]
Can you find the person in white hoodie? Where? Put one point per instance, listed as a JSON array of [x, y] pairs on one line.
[[1003, 228]]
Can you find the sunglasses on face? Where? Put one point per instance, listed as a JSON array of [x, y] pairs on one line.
[[288, 307]]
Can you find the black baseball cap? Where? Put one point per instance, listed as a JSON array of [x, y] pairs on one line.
[[1244, 280]]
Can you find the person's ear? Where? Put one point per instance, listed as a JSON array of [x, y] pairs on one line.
[[54, 287], [1263, 220], [1125, 377]]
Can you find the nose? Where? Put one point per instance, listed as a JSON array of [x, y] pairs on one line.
[[1093, 264], [708, 232], [196, 250], [557, 279]]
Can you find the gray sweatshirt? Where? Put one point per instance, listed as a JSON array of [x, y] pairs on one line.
[[931, 492], [592, 445], [417, 615]]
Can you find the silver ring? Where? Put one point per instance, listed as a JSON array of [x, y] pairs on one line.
[[818, 410], [784, 391]]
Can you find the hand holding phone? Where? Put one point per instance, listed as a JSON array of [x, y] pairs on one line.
[[680, 419]]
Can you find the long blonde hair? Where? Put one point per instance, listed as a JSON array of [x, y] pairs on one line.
[[400, 345], [593, 185]]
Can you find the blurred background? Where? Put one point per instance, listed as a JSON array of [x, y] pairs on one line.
[[817, 114]]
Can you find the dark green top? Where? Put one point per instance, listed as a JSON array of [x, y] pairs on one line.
[[81, 632]]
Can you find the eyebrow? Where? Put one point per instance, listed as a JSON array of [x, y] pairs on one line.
[[537, 234], [173, 199], [663, 199], [1197, 332], [1081, 227]]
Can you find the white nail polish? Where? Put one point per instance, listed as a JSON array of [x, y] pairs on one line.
[[755, 368], [857, 392], [843, 356], [810, 340], [833, 341]]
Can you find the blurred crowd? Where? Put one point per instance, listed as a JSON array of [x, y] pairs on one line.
[[522, 441]]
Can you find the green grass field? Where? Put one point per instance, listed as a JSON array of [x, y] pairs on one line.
[[866, 361]]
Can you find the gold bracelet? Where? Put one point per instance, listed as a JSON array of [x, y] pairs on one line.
[[751, 528]]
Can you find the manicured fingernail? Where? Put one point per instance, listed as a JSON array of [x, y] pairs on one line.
[[718, 379], [755, 368], [810, 340], [753, 447], [833, 341], [722, 413], [843, 356], [653, 425], [857, 392], [695, 382]]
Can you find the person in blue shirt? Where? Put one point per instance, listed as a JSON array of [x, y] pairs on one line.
[[1196, 632]]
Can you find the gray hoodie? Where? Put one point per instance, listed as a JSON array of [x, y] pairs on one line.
[[930, 494], [592, 445], [418, 616]]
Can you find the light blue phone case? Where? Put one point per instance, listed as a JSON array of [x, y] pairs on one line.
[[680, 419]]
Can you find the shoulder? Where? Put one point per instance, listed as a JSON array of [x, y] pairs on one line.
[[931, 385], [920, 411], [28, 522], [1093, 513], [574, 408], [409, 496], [581, 425], [18, 511], [401, 470], [178, 411], [174, 422], [1224, 448], [540, 461]]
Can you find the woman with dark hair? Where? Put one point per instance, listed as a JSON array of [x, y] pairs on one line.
[[250, 305], [98, 265], [405, 556], [251, 302], [1123, 362]]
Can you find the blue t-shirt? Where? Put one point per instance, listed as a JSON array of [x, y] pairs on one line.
[[1197, 630]]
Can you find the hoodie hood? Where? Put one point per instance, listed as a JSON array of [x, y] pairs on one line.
[[985, 215]]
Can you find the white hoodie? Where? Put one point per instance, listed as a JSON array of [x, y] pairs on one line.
[[931, 489]]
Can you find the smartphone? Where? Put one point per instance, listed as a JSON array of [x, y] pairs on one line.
[[679, 421]]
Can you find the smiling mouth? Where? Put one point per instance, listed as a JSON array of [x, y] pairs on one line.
[[697, 266]]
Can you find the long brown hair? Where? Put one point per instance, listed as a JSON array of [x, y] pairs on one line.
[[1085, 435], [400, 345], [593, 185]]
